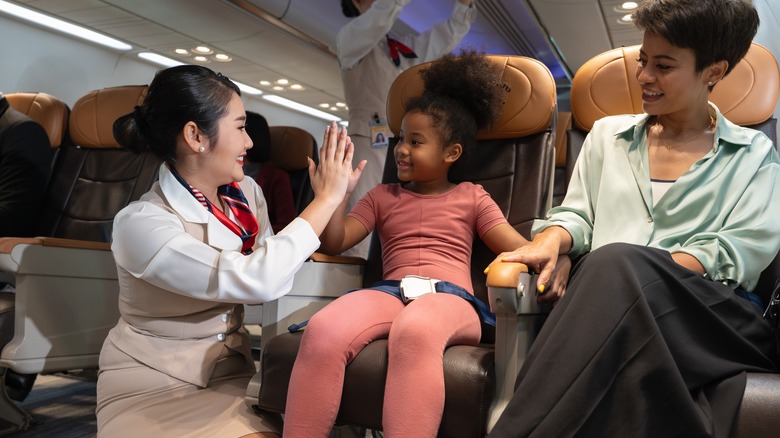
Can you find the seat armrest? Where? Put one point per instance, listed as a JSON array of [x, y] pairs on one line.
[[320, 280], [512, 297], [66, 302], [347, 260], [16, 255], [7, 244]]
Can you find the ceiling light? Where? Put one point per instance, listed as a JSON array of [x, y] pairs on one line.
[[247, 89], [278, 88], [181, 52], [629, 5], [159, 59], [62, 26], [221, 57], [333, 108], [297, 87], [168, 62], [626, 19], [299, 107], [203, 49], [265, 83], [200, 58], [282, 82], [341, 104], [324, 105]]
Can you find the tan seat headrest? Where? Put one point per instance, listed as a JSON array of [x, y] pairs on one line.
[[607, 85], [50, 112], [290, 147], [93, 115], [530, 105]]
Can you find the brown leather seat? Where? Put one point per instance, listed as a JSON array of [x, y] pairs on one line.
[[514, 161], [289, 148], [70, 266], [606, 85], [50, 112], [94, 178]]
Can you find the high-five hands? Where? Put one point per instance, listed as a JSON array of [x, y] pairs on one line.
[[334, 177]]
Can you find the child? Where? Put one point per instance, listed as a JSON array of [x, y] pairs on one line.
[[426, 226], [370, 59]]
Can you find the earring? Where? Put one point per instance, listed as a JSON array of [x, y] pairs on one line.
[[709, 83], [202, 149]]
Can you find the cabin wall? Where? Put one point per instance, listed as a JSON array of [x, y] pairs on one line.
[[36, 59]]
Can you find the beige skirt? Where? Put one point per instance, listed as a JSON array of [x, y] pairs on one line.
[[134, 400]]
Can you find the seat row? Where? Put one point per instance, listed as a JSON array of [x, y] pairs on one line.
[[525, 170], [65, 297], [66, 291], [71, 270]]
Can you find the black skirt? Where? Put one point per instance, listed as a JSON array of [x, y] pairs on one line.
[[639, 347]]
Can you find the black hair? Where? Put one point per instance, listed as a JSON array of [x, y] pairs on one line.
[[176, 96], [461, 94], [257, 128], [348, 9], [715, 30]]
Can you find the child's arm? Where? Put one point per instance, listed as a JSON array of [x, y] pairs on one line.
[[342, 232], [503, 238]]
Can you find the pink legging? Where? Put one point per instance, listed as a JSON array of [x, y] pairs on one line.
[[417, 336]]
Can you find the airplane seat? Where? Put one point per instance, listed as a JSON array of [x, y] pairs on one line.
[[514, 162], [290, 146], [606, 85], [66, 289], [94, 177], [52, 114]]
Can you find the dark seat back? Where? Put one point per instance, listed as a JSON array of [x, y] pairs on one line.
[[290, 146], [93, 177]]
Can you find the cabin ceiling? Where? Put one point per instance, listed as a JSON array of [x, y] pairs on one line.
[[295, 39]]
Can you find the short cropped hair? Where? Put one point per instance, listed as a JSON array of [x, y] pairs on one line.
[[715, 30]]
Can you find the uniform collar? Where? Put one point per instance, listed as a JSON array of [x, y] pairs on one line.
[[189, 208]]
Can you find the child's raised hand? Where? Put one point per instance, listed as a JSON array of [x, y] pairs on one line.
[[331, 178], [354, 177]]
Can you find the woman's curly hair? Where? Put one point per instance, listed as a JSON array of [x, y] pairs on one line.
[[461, 94]]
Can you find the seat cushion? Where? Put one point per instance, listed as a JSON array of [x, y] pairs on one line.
[[469, 378], [757, 417]]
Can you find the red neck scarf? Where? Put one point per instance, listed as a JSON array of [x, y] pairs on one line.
[[396, 48], [234, 198]]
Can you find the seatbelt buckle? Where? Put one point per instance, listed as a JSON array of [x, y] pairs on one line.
[[414, 286], [772, 312]]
